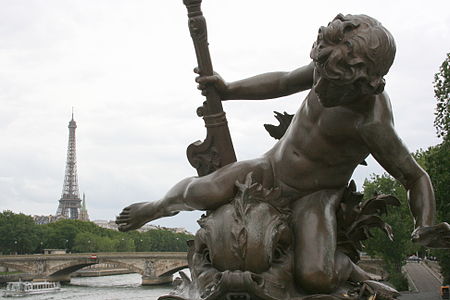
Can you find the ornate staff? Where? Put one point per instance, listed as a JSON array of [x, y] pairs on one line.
[[217, 149]]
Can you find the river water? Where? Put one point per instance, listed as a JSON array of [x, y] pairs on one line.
[[116, 287]]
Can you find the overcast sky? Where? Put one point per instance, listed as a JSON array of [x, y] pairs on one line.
[[126, 67]]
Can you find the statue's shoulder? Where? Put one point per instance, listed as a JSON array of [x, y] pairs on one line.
[[377, 117], [382, 108], [378, 110]]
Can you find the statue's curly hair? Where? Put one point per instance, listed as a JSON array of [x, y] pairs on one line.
[[354, 48]]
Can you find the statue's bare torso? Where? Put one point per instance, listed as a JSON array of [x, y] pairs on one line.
[[321, 148]]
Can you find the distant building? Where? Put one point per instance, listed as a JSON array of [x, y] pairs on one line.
[[180, 230], [148, 227], [41, 220], [113, 226], [106, 224], [83, 210], [54, 251]]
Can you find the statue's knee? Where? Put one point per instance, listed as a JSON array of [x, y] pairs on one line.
[[195, 195], [316, 281]]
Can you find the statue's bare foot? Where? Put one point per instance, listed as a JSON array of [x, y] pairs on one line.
[[137, 214]]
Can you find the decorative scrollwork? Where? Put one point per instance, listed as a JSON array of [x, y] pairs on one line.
[[197, 28], [204, 161]]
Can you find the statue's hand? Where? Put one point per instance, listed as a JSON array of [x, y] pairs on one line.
[[437, 236], [215, 80]]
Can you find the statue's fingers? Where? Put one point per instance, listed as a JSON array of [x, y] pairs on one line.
[[124, 214], [197, 70], [206, 79], [121, 219], [201, 87], [201, 79]]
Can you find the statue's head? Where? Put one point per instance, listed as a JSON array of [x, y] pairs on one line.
[[354, 51]]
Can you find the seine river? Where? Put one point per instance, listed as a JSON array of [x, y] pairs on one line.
[[115, 287]]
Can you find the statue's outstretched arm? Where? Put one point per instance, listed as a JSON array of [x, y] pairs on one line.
[[388, 149], [260, 87]]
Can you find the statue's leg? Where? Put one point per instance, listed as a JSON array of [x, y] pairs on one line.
[[319, 268], [197, 193], [213, 190]]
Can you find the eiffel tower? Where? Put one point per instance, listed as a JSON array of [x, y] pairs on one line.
[[70, 202]]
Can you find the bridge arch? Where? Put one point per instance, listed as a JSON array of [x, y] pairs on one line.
[[68, 268], [128, 266]]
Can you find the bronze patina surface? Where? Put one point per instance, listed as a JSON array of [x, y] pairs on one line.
[[288, 225]]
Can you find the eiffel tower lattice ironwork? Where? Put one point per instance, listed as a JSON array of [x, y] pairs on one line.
[[70, 202]]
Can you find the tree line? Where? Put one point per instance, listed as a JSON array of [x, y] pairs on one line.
[[20, 234]]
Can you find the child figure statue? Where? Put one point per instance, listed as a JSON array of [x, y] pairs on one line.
[[345, 117]]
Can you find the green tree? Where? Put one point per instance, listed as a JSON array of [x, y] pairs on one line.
[[437, 158], [18, 233], [106, 244], [437, 164], [86, 242], [392, 252], [61, 234], [442, 95], [125, 244]]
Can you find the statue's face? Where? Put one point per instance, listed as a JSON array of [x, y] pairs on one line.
[[332, 92], [339, 70]]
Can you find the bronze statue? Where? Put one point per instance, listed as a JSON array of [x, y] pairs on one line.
[[301, 183]]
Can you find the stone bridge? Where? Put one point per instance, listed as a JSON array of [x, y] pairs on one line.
[[155, 267]]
